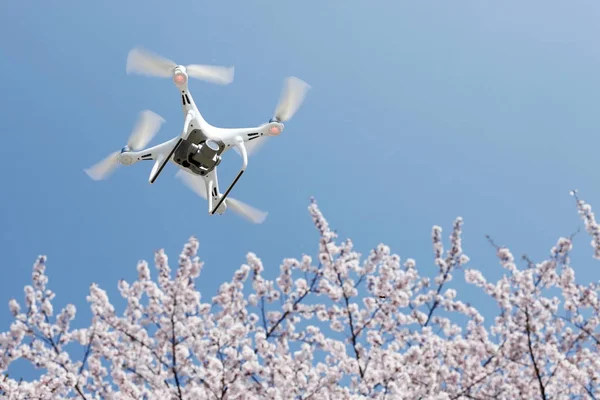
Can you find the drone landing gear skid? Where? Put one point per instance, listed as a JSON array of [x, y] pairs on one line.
[[239, 143], [161, 160]]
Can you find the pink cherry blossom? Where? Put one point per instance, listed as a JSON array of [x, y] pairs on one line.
[[335, 325]]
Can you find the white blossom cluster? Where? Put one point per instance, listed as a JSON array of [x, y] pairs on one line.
[[339, 327]]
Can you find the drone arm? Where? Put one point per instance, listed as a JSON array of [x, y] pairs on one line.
[[189, 117], [151, 153], [231, 136]]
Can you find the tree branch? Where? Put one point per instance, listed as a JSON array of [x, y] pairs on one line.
[[535, 366]]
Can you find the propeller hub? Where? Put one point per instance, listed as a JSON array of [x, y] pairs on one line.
[[125, 149], [275, 128], [180, 76], [125, 159]]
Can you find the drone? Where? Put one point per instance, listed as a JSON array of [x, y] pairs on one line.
[[199, 148]]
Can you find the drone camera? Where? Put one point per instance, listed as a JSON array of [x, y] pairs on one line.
[[210, 148], [205, 155]]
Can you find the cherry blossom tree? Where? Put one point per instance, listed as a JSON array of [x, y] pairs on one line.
[[337, 327]]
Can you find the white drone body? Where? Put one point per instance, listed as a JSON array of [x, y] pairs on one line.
[[199, 148]]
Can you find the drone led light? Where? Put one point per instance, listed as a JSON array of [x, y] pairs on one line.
[[179, 78]]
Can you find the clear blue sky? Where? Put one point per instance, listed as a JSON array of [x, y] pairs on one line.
[[418, 112]]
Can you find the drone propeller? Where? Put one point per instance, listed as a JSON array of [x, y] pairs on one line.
[[144, 62], [291, 98], [146, 128], [248, 212]]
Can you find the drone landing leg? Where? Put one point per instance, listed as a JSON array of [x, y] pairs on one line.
[[209, 189], [161, 161], [240, 145], [227, 192]]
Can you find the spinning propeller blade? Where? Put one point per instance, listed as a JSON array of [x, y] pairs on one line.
[[104, 168], [211, 73], [253, 146], [146, 128], [144, 62], [193, 182], [291, 98], [246, 211]]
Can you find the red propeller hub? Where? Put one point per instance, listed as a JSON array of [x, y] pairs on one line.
[[275, 130], [179, 78]]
